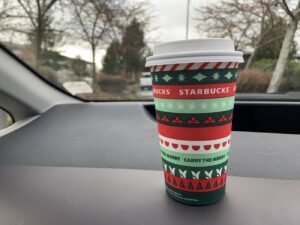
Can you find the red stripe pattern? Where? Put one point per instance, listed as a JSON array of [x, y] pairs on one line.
[[202, 91], [203, 65], [188, 66], [163, 68], [228, 65], [174, 67], [195, 133], [217, 65], [192, 185], [194, 66]]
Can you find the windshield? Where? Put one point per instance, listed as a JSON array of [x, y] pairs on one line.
[[96, 50]]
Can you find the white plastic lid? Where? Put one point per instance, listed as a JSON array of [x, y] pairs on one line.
[[196, 50]]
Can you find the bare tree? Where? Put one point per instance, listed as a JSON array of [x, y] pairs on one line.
[[37, 14], [247, 23], [93, 24], [140, 11], [5, 9], [143, 12], [294, 16]]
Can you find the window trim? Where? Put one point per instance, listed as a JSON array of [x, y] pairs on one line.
[[267, 97]]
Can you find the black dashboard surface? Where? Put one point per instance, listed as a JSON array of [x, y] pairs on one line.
[[77, 196], [43, 180], [123, 135]]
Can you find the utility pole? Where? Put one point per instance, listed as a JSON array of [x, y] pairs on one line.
[[187, 19]]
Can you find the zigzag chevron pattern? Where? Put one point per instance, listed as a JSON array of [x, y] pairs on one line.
[[192, 185]]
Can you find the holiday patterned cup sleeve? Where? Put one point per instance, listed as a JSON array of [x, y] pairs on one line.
[[194, 110]]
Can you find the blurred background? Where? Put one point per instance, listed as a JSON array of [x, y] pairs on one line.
[[96, 49]]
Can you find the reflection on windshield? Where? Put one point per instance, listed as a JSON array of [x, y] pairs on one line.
[[5, 119]]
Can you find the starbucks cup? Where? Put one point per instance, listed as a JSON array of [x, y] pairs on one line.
[[194, 83]]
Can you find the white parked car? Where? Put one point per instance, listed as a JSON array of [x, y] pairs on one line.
[[146, 81]]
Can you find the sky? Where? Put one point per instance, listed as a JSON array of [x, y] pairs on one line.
[[169, 23], [170, 19]]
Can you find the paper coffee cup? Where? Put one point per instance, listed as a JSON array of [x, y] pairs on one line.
[[194, 83]]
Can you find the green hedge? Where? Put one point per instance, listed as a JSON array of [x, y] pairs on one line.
[[257, 81], [291, 69], [264, 68], [115, 84]]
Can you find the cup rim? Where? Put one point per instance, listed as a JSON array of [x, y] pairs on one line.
[[216, 56], [207, 53]]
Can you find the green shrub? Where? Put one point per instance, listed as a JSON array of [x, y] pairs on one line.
[[292, 68], [291, 78], [49, 74], [115, 84], [252, 80], [293, 82], [264, 64]]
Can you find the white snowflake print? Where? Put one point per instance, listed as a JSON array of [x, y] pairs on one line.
[[180, 106], [203, 106], [215, 105], [192, 106], [170, 105]]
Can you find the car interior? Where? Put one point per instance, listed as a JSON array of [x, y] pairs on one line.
[[74, 156], [66, 161]]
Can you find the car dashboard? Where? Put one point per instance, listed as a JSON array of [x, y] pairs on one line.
[[99, 163]]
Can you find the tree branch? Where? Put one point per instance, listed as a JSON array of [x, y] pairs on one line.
[[49, 6], [39, 11], [297, 10], [287, 9], [78, 17], [28, 12]]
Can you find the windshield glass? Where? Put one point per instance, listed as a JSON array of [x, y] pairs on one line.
[[96, 50]]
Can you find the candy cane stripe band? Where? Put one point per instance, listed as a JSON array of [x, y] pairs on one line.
[[163, 67], [217, 65], [228, 65], [188, 66], [203, 65], [194, 66], [174, 67]]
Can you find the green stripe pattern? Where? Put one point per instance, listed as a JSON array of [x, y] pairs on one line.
[[209, 76], [194, 105], [195, 160], [195, 172], [194, 120]]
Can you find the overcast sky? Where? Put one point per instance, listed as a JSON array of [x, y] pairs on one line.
[[170, 24], [170, 19]]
